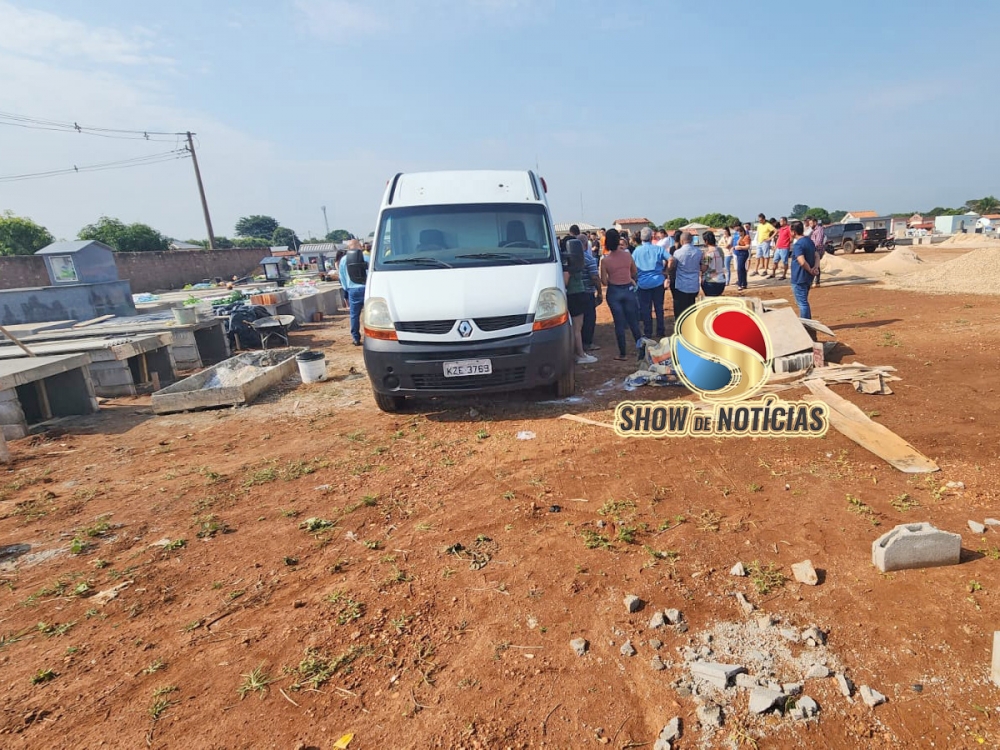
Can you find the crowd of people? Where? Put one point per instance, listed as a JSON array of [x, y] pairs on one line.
[[635, 271]]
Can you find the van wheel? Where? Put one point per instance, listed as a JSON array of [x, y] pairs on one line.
[[566, 385], [388, 403], [848, 246]]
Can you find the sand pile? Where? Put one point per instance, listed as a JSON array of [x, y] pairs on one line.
[[835, 267], [902, 260], [971, 240], [968, 274]]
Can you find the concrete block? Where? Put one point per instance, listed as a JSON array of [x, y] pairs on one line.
[[804, 572], [716, 674], [995, 673], [871, 697], [672, 731], [977, 528], [747, 682], [633, 603], [845, 685], [915, 545], [763, 700], [993, 521]]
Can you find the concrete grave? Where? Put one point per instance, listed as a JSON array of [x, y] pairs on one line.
[[915, 545]]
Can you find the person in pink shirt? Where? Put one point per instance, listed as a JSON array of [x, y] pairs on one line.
[[782, 248]]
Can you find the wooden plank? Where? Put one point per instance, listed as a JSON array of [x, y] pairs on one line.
[[584, 420], [92, 321], [854, 424], [16, 340], [817, 326]]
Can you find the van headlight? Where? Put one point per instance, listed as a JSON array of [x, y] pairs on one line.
[[377, 320], [550, 310]]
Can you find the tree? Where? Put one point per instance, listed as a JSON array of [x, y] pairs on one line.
[[283, 236], [716, 220], [339, 235], [223, 243], [983, 206], [799, 211], [942, 211], [256, 225], [673, 224], [259, 242], [21, 236], [201, 243], [125, 238], [837, 215], [816, 213]]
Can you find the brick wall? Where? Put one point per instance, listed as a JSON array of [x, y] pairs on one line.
[[148, 272]]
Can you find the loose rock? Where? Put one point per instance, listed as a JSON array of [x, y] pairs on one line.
[[765, 621], [673, 616], [976, 527], [747, 682], [656, 664], [745, 604], [993, 522], [817, 672], [627, 649], [716, 674], [762, 700], [657, 620], [955, 485], [804, 572], [738, 570], [871, 697], [791, 688], [845, 685], [805, 708], [789, 635], [661, 745], [813, 636], [655, 643], [709, 716], [672, 731], [579, 645], [633, 603]]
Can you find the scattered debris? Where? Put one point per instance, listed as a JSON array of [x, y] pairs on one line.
[[813, 636], [555, 509], [673, 616], [915, 545], [657, 620], [763, 700], [992, 522], [817, 672], [805, 708], [633, 603], [871, 697], [804, 572], [955, 485], [716, 674], [103, 597], [627, 649], [845, 685], [656, 664], [738, 570], [709, 716], [672, 731], [655, 643], [789, 634], [995, 670], [579, 645], [745, 604], [526, 435], [977, 528]]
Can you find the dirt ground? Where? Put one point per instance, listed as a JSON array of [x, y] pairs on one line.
[[160, 588]]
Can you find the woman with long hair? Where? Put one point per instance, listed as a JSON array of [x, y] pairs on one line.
[[726, 245], [618, 275], [741, 249], [713, 266]]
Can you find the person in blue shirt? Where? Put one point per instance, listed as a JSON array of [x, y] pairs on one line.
[[805, 267], [355, 294], [650, 261], [686, 263]]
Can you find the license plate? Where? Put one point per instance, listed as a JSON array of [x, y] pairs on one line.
[[465, 367]]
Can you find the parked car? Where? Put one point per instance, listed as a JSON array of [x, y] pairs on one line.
[[852, 235]]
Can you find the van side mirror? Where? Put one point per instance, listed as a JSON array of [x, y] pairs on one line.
[[357, 267], [574, 248]]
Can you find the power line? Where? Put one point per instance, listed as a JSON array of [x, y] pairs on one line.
[[139, 161], [35, 123]]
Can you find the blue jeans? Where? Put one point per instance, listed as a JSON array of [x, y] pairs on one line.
[[650, 301], [742, 256], [801, 292], [589, 319], [625, 312], [729, 259], [356, 300]]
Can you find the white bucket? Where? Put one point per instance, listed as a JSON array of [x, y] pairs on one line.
[[185, 316], [312, 366]]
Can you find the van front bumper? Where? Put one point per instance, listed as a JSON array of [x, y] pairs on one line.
[[524, 361]]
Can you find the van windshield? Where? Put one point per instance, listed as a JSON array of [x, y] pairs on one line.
[[463, 236]]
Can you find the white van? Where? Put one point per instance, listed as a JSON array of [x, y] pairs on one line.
[[464, 290]]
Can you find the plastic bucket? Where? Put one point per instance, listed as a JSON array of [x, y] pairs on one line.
[[185, 316], [312, 366]]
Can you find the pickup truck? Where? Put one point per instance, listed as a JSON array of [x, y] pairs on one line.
[[852, 235]]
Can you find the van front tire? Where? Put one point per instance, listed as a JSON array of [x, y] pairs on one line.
[[566, 385], [387, 403]]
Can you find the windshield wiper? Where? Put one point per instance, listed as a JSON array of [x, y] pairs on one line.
[[503, 256], [419, 261]]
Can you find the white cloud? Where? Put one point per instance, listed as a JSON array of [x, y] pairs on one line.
[[335, 19], [42, 35]]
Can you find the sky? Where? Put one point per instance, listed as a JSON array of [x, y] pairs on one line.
[[658, 108]]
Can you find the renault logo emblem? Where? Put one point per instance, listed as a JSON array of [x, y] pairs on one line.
[[465, 329]]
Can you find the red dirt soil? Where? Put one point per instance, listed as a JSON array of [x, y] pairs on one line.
[[415, 647]]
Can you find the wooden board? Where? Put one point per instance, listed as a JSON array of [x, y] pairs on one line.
[[787, 334], [817, 326], [854, 424], [92, 321], [584, 420]]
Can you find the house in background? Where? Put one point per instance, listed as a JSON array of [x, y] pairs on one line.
[[858, 216], [322, 254], [184, 246], [631, 225], [956, 224], [894, 226], [563, 229]]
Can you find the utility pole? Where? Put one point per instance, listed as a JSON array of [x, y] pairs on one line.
[[201, 191], [325, 222]]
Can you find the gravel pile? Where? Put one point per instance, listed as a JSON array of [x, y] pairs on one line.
[[968, 274]]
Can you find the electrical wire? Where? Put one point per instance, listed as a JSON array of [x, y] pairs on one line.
[[139, 161], [35, 123]]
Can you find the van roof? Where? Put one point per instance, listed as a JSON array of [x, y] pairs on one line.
[[469, 186]]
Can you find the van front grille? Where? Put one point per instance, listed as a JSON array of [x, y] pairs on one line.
[[426, 326], [499, 322]]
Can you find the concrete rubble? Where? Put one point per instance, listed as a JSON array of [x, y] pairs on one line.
[[804, 572], [579, 645], [845, 685], [871, 697], [673, 616], [993, 521], [977, 528], [763, 700], [744, 603], [817, 672], [718, 675], [657, 620], [633, 603], [709, 715], [738, 570], [915, 545], [628, 649], [805, 708], [995, 671]]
